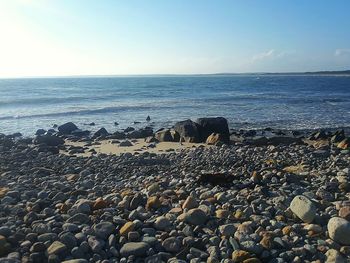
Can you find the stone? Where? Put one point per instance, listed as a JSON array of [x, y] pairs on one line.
[[162, 223], [339, 230], [171, 244], [125, 143], [67, 128], [188, 131], [164, 135], [303, 208], [190, 203], [153, 202], [334, 256], [78, 219], [208, 126], [216, 138], [194, 216], [240, 256], [82, 206], [104, 229], [227, 230], [5, 247], [136, 249], [56, 248], [99, 204], [79, 260], [50, 140], [344, 212], [126, 228]]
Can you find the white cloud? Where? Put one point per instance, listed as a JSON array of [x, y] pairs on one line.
[[342, 52], [267, 55]]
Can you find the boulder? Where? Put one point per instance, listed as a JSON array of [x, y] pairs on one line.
[[188, 131], [303, 208], [141, 133], [164, 135], [339, 230], [207, 126], [50, 140], [101, 132], [40, 132], [67, 128]]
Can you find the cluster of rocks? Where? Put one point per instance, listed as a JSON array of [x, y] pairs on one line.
[[231, 203]]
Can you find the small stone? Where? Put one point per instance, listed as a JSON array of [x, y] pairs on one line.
[[303, 208], [339, 230], [286, 230], [99, 204], [56, 248], [194, 216], [172, 244], [162, 223], [227, 230], [126, 228], [333, 256], [104, 229], [137, 249], [240, 255], [190, 203], [222, 213], [153, 202], [344, 212]]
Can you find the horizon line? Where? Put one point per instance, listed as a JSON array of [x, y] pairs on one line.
[[323, 72]]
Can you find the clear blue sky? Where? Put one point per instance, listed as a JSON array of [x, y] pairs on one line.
[[84, 37]]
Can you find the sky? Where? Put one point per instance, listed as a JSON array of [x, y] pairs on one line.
[[115, 37]]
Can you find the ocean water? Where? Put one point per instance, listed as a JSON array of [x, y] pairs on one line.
[[247, 101]]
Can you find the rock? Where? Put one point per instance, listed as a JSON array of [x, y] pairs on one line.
[[80, 260], [164, 135], [303, 208], [240, 255], [99, 204], [162, 223], [136, 249], [194, 216], [5, 247], [227, 230], [79, 218], [125, 143], [127, 227], [216, 139], [333, 256], [96, 244], [104, 229], [153, 202], [188, 131], [208, 126], [101, 132], [190, 203], [172, 245], [40, 132], [344, 144], [67, 128], [339, 230], [344, 212], [82, 206], [148, 118], [50, 140], [56, 248]]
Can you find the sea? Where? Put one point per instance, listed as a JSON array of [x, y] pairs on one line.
[[247, 101]]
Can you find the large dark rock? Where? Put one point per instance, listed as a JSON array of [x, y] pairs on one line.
[[207, 126], [141, 133], [101, 132], [50, 140], [67, 128], [164, 135], [188, 131]]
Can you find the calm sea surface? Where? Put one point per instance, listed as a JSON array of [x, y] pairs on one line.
[[247, 101]]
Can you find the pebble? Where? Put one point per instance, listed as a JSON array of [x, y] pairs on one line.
[[339, 230], [303, 208]]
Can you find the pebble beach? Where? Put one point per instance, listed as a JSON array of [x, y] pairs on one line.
[[196, 192]]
